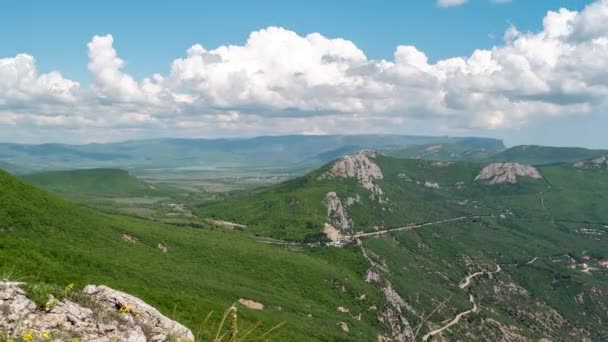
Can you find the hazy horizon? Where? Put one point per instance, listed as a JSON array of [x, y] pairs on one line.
[[505, 142]]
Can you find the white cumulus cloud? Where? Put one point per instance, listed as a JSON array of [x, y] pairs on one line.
[[22, 85], [279, 81], [451, 3]]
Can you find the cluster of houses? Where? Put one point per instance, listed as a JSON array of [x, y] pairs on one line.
[[601, 263], [586, 266]]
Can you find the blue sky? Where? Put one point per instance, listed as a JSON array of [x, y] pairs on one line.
[[149, 35]]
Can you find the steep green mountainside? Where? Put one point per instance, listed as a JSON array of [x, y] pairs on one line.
[[186, 272], [543, 155], [92, 182], [531, 241]]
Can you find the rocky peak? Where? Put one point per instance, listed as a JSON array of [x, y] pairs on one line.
[[362, 167], [101, 314], [594, 163], [506, 173]]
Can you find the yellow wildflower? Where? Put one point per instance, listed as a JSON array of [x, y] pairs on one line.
[[125, 309], [46, 335], [28, 336], [51, 304]]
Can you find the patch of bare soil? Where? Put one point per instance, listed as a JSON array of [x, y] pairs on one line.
[[128, 238], [251, 304]]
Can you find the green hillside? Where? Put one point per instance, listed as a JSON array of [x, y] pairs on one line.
[[295, 210], [411, 232], [543, 155], [44, 238], [92, 183], [548, 236]]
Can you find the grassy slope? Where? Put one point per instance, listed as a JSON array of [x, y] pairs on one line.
[[92, 183], [577, 195], [427, 264], [44, 238]]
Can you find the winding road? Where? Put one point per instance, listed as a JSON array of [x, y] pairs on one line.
[[532, 261], [350, 238], [453, 321], [463, 284], [392, 230], [467, 280]]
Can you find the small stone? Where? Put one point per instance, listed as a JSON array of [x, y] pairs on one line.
[[90, 290], [106, 327], [251, 304]]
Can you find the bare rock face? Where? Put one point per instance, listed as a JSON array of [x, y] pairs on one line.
[[506, 173], [362, 167], [595, 163], [109, 315], [332, 233], [392, 316], [352, 200], [146, 314], [336, 213]]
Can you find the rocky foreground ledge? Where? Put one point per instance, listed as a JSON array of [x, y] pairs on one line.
[[97, 313]]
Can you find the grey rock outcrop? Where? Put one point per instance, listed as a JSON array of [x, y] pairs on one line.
[[352, 200], [431, 185], [362, 167], [337, 214], [147, 315], [594, 163], [339, 226], [104, 315], [507, 173], [392, 316]]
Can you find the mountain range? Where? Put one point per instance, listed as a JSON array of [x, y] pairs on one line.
[[366, 247]]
